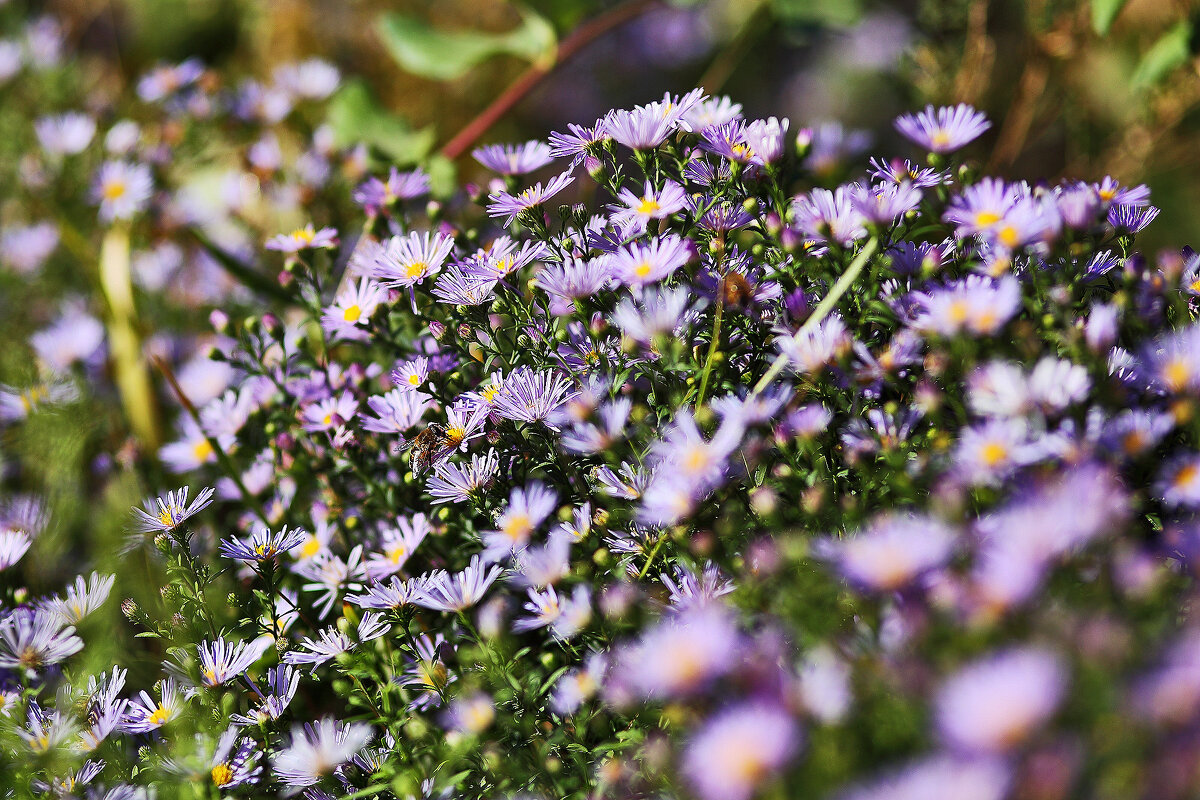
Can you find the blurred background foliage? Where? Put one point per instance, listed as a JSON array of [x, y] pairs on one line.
[[1079, 88], [1076, 88]]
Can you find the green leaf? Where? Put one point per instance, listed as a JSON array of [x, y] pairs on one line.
[[356, 116], [1104, 12], [445, 55], [1170, 51]]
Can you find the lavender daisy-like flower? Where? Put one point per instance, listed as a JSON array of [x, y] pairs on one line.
[[893, 551], [829, 216], [643, 128], [262, 545], [680, 655], [329, 413], [636, 212], [886, 202], [508, 159], [640, 263], [571, 280], [318, 749], [407, 260], [940, 776], [529, 396], [396, 412], [165, 513], [658, 312], [145, 714], [994, 704], [527, 508], [229, 767], [459, 288], [352, 309], [411, 375], [306, 238], [457, 483], [33, 639], [945, 129], [66, 134], [122, 189], [580, 143], [739, 749], [81, 598], [222, 661], [512, 206], [442, 591]]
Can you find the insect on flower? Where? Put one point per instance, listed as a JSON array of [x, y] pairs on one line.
[[430, 446]]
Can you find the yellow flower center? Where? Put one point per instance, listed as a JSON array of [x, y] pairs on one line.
[[1133, 442], [202, 450], [1175, 374], [222, 775], [643, 269], [352, 313], [958, 311], [994, 453], [397, 554], [159, 717], [986, 218], [517, 526], [414, 380], [311, 547], [415, 269], [1008, 236], [166, 519], [1185, 475], [304, 235], [940, 137], [648, 205], [113, 190]]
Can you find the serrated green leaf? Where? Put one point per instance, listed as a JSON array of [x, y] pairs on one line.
[[1170, 51], [356, 116], [1104, 13], [445, 55]]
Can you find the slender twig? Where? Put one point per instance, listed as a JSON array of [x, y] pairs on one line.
[[822, 310], [531, 77], [715, 344], [222, 456]]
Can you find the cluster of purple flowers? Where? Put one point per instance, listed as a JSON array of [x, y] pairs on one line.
[[723, 480]]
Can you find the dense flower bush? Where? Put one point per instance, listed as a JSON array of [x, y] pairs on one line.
[[671, 474]]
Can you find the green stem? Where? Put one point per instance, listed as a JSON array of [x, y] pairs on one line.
[[715, 345], [822, 310]]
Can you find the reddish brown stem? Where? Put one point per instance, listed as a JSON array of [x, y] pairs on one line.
[[531, 77]]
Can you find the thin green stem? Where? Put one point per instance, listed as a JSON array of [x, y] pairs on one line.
[[822, 310]]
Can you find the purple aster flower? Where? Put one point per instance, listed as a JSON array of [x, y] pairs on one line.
[[407, 260], [940, 776], [166, 80], [411, 375], [643, 128], [945, 129], [456, 287], [829, 145], [886, 202], [375, 195], [689, 590], [352, 310], [765, 139], [442, 591], [385, 596], [879, 430], [503, 257], [994, 704], [904, 171], [262, 545], [229, 767], [306, 238], [222, 661], [739, 749], [1171, 363], [657, 312], [527, 508], [1178, 482], [1079, 205], [66, 134], [510, 159], [317, 750], [977, 304], [639, 263], [990, 452], [679, 656], [571, 280], [122, 190], [396, 546], [1112, 192], [32, 639], [26, 248], [829, 216], [653, 204], [711, 111], [590, 437], [512, 206], [396, 412], [812, 350], [894, 551], [580, 144], [1131, 218], [979, 207], [171, 510], [427, 672], [457, 483], [330, 413]]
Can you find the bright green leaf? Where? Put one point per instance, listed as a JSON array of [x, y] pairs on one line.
[[1170, 51], [356, 116], [1104, 12], [446, 55]]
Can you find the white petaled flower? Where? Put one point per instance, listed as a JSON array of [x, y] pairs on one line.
[[442, 591], [169, 511], [318, 749], [222, 661], [82, 598], [122, 190]]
